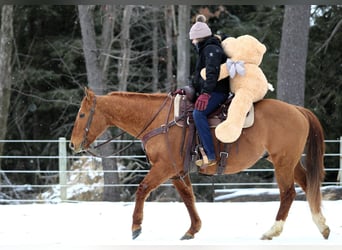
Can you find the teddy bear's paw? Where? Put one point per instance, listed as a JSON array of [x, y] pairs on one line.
[[227, 132], [224, 73]]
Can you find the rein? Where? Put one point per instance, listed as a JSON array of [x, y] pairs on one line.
[[92, 110]]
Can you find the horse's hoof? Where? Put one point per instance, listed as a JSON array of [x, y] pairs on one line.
[[136, 233], [266, 237], [326, 233], [187, 237]]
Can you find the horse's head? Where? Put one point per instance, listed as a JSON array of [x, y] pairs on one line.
[[89, 123]]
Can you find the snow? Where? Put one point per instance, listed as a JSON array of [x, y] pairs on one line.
[[233, 193], [107, 225], [229, 194]]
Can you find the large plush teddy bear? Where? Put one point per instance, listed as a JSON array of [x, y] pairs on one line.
[[247, 82]]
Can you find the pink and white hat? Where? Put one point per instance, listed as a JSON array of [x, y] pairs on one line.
[[200, 29]]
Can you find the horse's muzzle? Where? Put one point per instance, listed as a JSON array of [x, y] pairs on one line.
[[75, 149]]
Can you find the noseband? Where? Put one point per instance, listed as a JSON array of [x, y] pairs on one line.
[[90, 119]]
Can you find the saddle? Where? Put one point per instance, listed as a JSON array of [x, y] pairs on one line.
[[183, 109]]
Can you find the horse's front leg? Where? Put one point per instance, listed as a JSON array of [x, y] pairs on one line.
[[185, 190], [151, 181]]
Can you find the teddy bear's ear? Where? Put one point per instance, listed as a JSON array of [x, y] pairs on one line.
[[252, 40], [228, 44], [228, 40], [262, 48]]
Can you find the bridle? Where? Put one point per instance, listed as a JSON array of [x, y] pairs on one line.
[[90, 119]]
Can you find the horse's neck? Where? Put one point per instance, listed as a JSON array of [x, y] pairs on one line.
[[130, 112]]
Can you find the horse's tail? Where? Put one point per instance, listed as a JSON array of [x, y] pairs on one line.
[[314, 161]]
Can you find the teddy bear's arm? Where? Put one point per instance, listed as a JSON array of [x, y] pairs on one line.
[[223, 72]]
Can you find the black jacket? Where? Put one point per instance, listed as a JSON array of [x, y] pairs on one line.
[[210, 56]]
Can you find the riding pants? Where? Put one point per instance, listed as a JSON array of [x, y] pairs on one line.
[[202, 125]]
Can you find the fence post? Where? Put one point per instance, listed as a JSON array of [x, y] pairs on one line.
[[62, 163], [339, 176]]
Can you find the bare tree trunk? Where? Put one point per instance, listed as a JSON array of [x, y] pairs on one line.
[[96, 82], [109, 17], [6, 48], [91, 52], [293, 54], [168, 32], [155, 58], [125, 48], [183, 45]]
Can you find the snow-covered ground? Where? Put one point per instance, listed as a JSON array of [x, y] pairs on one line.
[[106, 225]]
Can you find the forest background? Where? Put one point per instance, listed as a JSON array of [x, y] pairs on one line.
[[45, 62]]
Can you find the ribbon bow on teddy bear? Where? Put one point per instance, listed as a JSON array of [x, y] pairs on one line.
[[234, 67]]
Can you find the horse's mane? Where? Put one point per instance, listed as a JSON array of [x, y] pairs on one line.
[[136, 94]]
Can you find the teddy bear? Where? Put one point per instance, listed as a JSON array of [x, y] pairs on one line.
[[247, 82]]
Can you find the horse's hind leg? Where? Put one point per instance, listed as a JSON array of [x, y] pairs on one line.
[[285, 179], [317, 216], [185, 190]]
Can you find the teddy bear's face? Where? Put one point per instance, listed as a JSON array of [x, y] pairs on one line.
[[244, 48]]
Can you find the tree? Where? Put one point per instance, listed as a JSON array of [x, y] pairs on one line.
[[324, 85], [183, 45], [125, 48], [155, 58], [324, 82], [96, 82], [169, 10], [91, 52], [293, 54], [107, 39], [6, 48]]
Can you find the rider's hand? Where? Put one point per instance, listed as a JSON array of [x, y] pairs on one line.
[[179, 92], [202, 102]]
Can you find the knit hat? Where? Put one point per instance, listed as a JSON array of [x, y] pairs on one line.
[[200, 29]]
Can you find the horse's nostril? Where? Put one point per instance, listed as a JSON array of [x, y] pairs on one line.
[[71, 145]]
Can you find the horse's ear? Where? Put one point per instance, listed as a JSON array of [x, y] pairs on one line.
[[88, 93]]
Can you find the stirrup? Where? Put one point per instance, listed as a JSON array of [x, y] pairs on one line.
[[203, 165], [204, 162]]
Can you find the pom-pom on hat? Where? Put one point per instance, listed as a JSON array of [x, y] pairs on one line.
[[200, 29]]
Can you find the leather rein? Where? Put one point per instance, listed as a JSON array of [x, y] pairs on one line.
[[162, 129]]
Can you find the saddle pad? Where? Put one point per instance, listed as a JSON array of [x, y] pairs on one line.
[[249, 118], [177, 105]]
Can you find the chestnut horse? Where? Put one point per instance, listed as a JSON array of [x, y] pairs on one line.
[[280, 129]]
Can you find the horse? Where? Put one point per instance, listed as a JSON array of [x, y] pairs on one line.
[[281, 130]]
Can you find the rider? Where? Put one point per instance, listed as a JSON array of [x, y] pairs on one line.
[[210, 93]]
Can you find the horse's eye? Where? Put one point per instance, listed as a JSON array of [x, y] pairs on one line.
[[82, 115]]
